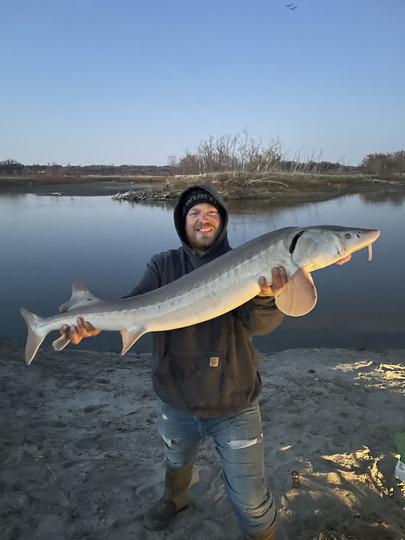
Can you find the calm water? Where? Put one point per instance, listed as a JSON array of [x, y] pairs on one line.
[[48, 242]]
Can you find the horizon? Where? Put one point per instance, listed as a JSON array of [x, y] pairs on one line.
[[37, 164]]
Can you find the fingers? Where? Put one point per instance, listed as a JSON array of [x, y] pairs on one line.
[[86, 329], [265, 288], [263, 282], [279, 279], [76, 333]]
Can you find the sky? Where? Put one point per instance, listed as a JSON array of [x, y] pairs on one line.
[[136, 81]]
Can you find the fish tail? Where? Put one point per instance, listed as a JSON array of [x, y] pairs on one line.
[[34, 339]]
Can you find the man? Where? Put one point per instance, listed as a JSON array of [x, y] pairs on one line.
[[206, 375]]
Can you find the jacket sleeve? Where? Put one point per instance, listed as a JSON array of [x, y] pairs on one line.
[[149, 281], [260, 315]]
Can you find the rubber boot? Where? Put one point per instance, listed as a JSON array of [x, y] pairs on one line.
[[270, 534], [176, 497]]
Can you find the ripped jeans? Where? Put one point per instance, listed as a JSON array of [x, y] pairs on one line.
[[239, 442]]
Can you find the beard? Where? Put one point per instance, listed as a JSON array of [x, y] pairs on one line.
[[201, 242]]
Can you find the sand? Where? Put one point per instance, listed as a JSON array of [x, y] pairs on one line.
[[81, 457]]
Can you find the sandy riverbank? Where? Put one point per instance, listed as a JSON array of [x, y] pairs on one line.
[[81, 457]]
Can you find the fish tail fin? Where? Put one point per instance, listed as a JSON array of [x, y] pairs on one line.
[[34, 339]]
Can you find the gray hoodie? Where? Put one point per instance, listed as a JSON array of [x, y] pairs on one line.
[[209, 369]]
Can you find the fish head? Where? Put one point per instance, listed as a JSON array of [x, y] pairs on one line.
[[317, 247]]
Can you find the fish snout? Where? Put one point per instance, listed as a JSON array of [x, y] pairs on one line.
[[371, 234], [359, 239], [363, 237], [368, 235]]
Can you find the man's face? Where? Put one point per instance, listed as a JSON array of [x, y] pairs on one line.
[[203, 226]]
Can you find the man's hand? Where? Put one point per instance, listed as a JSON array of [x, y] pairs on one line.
[[76, 333], [279, 279]]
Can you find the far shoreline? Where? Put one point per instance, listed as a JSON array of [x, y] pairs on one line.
[[275, 188]]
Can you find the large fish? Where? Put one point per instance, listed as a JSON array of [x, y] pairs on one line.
[[213, 289]]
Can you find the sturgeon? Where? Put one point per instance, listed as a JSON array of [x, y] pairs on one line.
[[213, 289]]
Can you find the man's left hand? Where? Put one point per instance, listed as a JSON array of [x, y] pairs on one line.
[[279, 279]]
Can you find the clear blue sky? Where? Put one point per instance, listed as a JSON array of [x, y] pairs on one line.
[[134, 81]]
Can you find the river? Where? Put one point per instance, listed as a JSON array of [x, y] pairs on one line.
[[47, 242]]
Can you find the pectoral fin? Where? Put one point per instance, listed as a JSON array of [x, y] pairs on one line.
[[298, 297], [129, 337]]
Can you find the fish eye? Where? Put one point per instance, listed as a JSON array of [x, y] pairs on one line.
[[348, 236]]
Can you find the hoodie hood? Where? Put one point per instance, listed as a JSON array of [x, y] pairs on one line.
[[221, 245]]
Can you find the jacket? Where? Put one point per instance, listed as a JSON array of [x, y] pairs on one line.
[[209, 369]]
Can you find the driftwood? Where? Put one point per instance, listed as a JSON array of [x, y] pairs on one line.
[[146, 195], [378, 181]]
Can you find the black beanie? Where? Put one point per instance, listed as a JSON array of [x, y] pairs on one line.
[[197, 196]]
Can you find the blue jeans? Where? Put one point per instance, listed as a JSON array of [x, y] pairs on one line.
[[239, 442]]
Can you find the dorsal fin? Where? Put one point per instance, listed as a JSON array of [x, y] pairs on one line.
[[81, 296], [298, 297]]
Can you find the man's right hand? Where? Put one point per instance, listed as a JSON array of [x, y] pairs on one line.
[[76, 333]]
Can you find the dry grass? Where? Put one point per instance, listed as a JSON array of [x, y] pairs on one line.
[[232, 185], [236, 185]]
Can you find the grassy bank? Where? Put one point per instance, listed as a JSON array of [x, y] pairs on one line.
[[233, 185]]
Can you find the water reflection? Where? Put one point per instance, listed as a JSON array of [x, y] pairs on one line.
[[48, 242], [395, 197]]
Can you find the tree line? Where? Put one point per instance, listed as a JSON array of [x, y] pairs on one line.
[[242, 153], [228, 153], [13, 168], [384, 163]]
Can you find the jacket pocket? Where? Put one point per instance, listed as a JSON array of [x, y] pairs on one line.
[[197, 381]]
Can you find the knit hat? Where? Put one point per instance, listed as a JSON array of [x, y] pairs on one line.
[[198, 196], [222, 245]]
